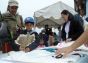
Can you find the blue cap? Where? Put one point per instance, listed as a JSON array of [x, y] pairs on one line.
[[29, 20]]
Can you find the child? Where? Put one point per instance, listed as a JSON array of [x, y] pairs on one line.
[[41, 44], [29, 24]]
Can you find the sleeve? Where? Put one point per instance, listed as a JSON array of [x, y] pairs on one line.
[[78, 28], [7, 17], [0, 17], [35, 44], [21, 21]]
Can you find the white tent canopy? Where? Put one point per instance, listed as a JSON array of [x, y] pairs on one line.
[[51, 15]]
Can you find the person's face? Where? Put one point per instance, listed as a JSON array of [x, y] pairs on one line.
[[81, 12], [41, 42], [65, 17], [13, 9], [29, 26]]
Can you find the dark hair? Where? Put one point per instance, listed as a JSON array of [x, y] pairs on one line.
[[29, 22], [46, 26], [59, 27], [66, 12]]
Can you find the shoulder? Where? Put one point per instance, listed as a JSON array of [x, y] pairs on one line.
[[19, 15], [6, 14], [34, 32], [77, 17], [75, 22], [23, 31]]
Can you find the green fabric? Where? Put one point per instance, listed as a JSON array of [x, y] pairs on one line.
[[0, 17], [11, 22]]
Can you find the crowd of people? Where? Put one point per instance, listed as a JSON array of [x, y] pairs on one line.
[[71, 30]]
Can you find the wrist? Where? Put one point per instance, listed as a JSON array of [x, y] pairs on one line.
[[71, 48]]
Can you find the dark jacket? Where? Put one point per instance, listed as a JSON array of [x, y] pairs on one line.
[[75, 30], [78, 18], [44, 37], [34, 44]]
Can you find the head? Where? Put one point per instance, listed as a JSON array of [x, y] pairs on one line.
[[81, 12], [46, 26], [41, 42], [66, 15], [59, 27], [29, 23], [12, 6]]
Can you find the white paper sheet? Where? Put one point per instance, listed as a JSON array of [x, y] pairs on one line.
[[42, 56]]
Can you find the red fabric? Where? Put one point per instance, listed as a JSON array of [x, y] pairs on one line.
[[41, 46], [6, 47], [51, 40]]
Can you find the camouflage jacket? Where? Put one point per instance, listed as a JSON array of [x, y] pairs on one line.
[[13, 22]]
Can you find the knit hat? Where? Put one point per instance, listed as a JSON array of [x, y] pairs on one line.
[[13, 3]]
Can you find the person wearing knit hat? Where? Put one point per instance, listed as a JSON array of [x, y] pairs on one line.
[[14, 22], [12, 7]]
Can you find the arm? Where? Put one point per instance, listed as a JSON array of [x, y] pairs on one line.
[[21, 21], [81, 40], [34, 44], [0, 17]]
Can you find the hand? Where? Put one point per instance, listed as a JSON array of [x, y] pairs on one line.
[[64, 51], [22, 48], [27, 49], [68, 40], [86, 44]]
